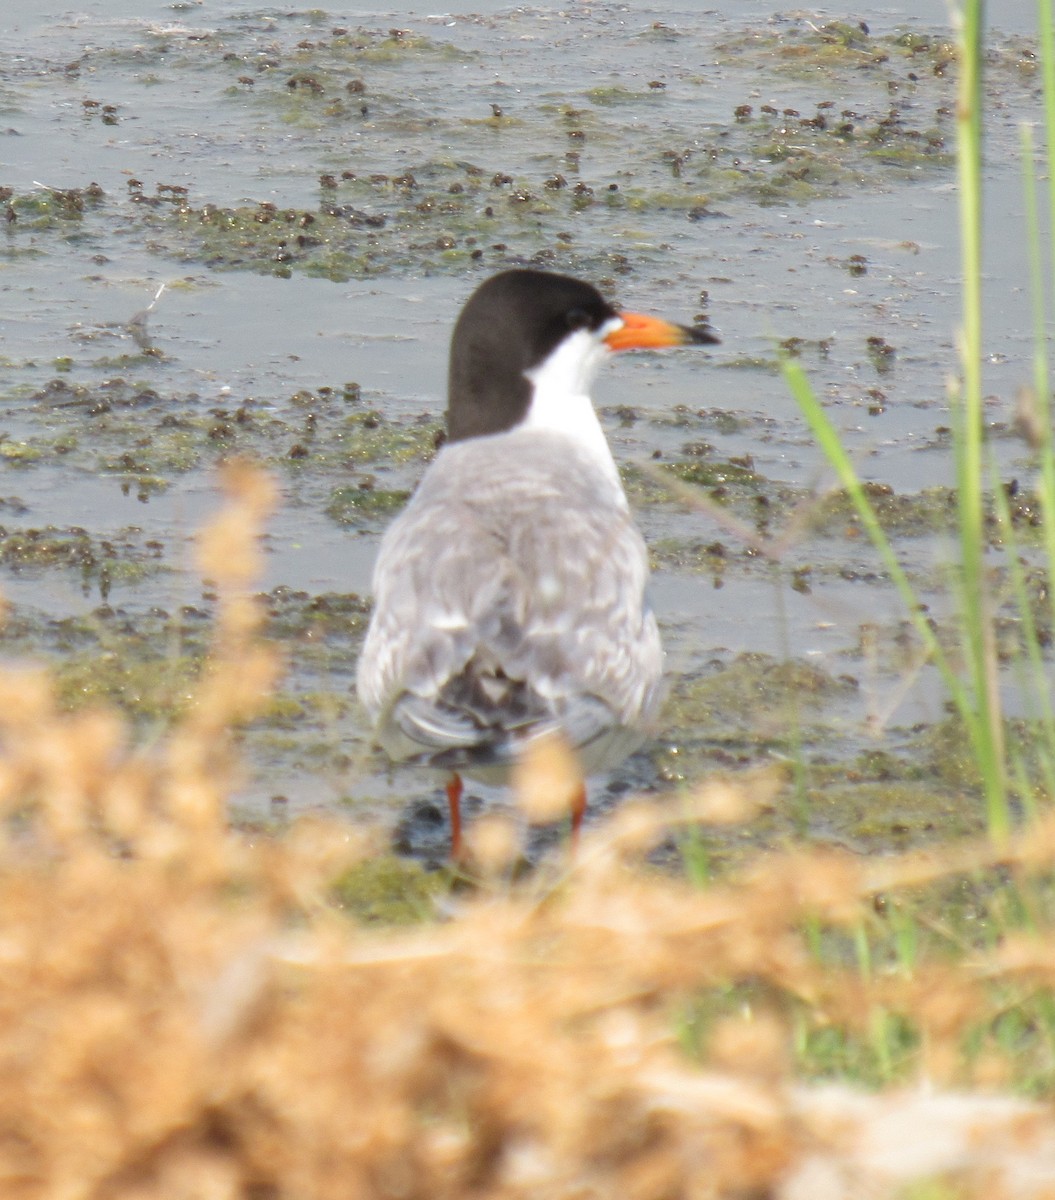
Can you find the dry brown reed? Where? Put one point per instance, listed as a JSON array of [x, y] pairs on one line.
[[184, 1014]]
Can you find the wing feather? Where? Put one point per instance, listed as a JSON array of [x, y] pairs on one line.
[[515, 561]]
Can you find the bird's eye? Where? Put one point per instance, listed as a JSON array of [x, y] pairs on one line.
[[577, 318]]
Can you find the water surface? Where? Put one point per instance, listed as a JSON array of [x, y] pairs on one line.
[[688, 160]]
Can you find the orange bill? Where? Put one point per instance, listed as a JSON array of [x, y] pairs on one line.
[[639, 332]]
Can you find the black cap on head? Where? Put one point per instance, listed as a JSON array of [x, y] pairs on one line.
[[509, 325]]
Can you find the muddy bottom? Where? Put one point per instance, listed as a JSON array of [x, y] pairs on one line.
[[318, 192]]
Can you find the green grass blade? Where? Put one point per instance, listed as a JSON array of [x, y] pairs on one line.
[[827, 437]]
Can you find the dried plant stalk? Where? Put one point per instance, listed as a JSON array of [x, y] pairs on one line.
[[183, 1013]]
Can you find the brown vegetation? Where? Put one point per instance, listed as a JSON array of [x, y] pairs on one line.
[[185, 1013]]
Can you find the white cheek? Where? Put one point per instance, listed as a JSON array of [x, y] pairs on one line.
[[571, 368], [561, 395], [610, 326]]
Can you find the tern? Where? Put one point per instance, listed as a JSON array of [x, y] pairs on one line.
[[510, 595]]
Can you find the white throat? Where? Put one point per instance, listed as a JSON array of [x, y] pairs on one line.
[[561, 395]]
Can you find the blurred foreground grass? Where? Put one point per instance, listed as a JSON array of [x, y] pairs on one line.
[[187, 1012]]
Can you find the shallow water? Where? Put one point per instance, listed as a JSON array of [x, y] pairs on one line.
[[764, 214]]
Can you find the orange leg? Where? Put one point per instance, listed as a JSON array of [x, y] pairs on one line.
[[578, 811], [454, 801]]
